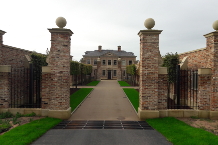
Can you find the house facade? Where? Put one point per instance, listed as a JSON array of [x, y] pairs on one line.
[[109, 64]]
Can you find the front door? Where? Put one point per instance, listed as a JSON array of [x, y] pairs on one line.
[[109, 74]]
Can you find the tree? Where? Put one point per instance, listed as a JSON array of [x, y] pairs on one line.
[[131, 69], [75, 69], [170, 61]]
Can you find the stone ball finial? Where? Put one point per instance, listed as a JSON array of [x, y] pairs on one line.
[[61, 22], [149, 23], [215, 25]]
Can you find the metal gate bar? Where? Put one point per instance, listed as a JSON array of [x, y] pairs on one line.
[[185, 90], [25, 91]]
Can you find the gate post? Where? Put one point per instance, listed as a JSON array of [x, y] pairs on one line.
[[58, 101], [149, 64], [98, 69], [4, 78], [212, 46], [1, 43], [119, 72]]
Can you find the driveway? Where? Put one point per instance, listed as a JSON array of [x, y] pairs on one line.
[[106, 102]]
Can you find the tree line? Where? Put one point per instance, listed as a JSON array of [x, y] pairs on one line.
[[78, 70]]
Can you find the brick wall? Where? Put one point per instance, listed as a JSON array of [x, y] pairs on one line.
[[4, 90], [162, 93], [200, 58], [16, 58], [204, 94]]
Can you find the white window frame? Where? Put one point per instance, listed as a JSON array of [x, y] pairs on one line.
[[123, 62]]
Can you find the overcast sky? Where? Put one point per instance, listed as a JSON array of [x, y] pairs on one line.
[[108, 23]]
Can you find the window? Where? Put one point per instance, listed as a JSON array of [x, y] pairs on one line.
[[88, 61], [124, 73], [95, 71], [115, 62], [194, 80], [123, 62], [103, 62], [115, 72], [95, 62], [130, 62], [109, 62], [103, 72]]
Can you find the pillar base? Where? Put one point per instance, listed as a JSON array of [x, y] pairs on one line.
[[61, 114], [145, 114]]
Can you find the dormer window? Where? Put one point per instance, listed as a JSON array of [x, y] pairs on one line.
[[109, 54]]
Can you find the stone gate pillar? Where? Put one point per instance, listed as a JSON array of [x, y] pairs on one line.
[[149, 64], [98, 69], [119, 72], [212, 46], [56, 85], [4, 78], [1, 43]]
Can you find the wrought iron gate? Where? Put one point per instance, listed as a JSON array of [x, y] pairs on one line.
[[183, 93], [25, 90]]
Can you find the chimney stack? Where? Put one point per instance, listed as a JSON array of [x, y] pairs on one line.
[[119, 48], [99, 48]]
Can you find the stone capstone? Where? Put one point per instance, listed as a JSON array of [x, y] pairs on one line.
[[61, 22], [149, 23]]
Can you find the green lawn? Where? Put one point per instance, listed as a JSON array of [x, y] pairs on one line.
[[123, 83], [179, 133], [77, 97], [27, 133], [93, 83], [133, 96]]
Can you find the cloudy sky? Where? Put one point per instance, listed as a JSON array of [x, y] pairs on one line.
[[108, 23]]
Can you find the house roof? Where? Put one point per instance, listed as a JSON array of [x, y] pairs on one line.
[[105, 52]]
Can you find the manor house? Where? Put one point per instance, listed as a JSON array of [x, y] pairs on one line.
[[109, 62]]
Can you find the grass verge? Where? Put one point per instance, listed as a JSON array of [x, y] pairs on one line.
[[77, 97], [133, 96], [93, 83], [29, 132], [180, 133], [123, 83]]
